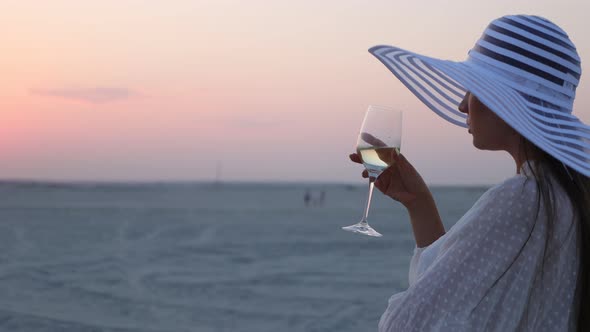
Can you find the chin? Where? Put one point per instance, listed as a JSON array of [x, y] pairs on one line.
[[474, 142], [478, 145]]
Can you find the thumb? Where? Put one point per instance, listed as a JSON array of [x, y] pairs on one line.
[[403, 164]]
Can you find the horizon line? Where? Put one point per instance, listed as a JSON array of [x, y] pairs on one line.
[[4, 181]]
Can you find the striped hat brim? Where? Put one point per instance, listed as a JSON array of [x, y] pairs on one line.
[[442, 84]]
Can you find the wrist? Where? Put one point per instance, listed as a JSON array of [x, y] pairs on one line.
[[423, 202]]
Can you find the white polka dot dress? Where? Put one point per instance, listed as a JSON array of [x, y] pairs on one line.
[[487, 273]]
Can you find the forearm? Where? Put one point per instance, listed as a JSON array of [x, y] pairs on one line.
[[426, 223]]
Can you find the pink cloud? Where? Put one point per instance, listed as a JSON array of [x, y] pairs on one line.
[[98, 95]]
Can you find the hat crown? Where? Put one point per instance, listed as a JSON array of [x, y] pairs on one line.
[[536, 55]]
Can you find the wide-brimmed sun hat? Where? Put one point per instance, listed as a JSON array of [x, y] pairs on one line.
[[524, 68]]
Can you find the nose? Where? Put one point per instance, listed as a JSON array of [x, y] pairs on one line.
[[463, 106]]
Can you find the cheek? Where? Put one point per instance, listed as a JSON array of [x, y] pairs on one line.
[[490, 132], [485, 139]]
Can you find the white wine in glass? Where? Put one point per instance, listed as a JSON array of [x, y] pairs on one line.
[[380, 134]]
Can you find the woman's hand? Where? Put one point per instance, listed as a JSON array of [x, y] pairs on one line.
[[400, 181], [404, 184]]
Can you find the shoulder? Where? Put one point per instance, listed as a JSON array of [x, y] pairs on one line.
[[517, 188], [518, 185], [512, 202]]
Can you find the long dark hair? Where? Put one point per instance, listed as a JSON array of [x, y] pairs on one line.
[[577, 187]]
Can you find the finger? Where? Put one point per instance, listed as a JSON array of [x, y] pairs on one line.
[[382, 182], [365, 174], [374, 141], [391, 180], [356, 158], [386, 173]]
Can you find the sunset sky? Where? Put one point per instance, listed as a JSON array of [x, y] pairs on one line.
[[270, 90]]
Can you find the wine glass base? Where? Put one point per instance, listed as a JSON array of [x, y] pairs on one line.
[[362, 228]]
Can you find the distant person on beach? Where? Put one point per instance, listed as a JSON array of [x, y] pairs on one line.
[[519, 259], [307, 197]]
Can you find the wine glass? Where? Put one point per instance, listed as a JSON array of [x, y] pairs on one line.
[[380, 133]]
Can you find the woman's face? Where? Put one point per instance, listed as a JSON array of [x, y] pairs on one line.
[[489, 131]]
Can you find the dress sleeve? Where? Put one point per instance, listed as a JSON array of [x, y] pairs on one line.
[[423, 258], [412, 273], [452, 293]]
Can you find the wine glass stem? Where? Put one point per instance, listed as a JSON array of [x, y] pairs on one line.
[[371, 186]]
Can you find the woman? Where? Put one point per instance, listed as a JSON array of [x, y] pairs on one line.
[[518, 259]]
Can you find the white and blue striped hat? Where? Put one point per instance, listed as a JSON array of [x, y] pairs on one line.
[[524, 68]]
